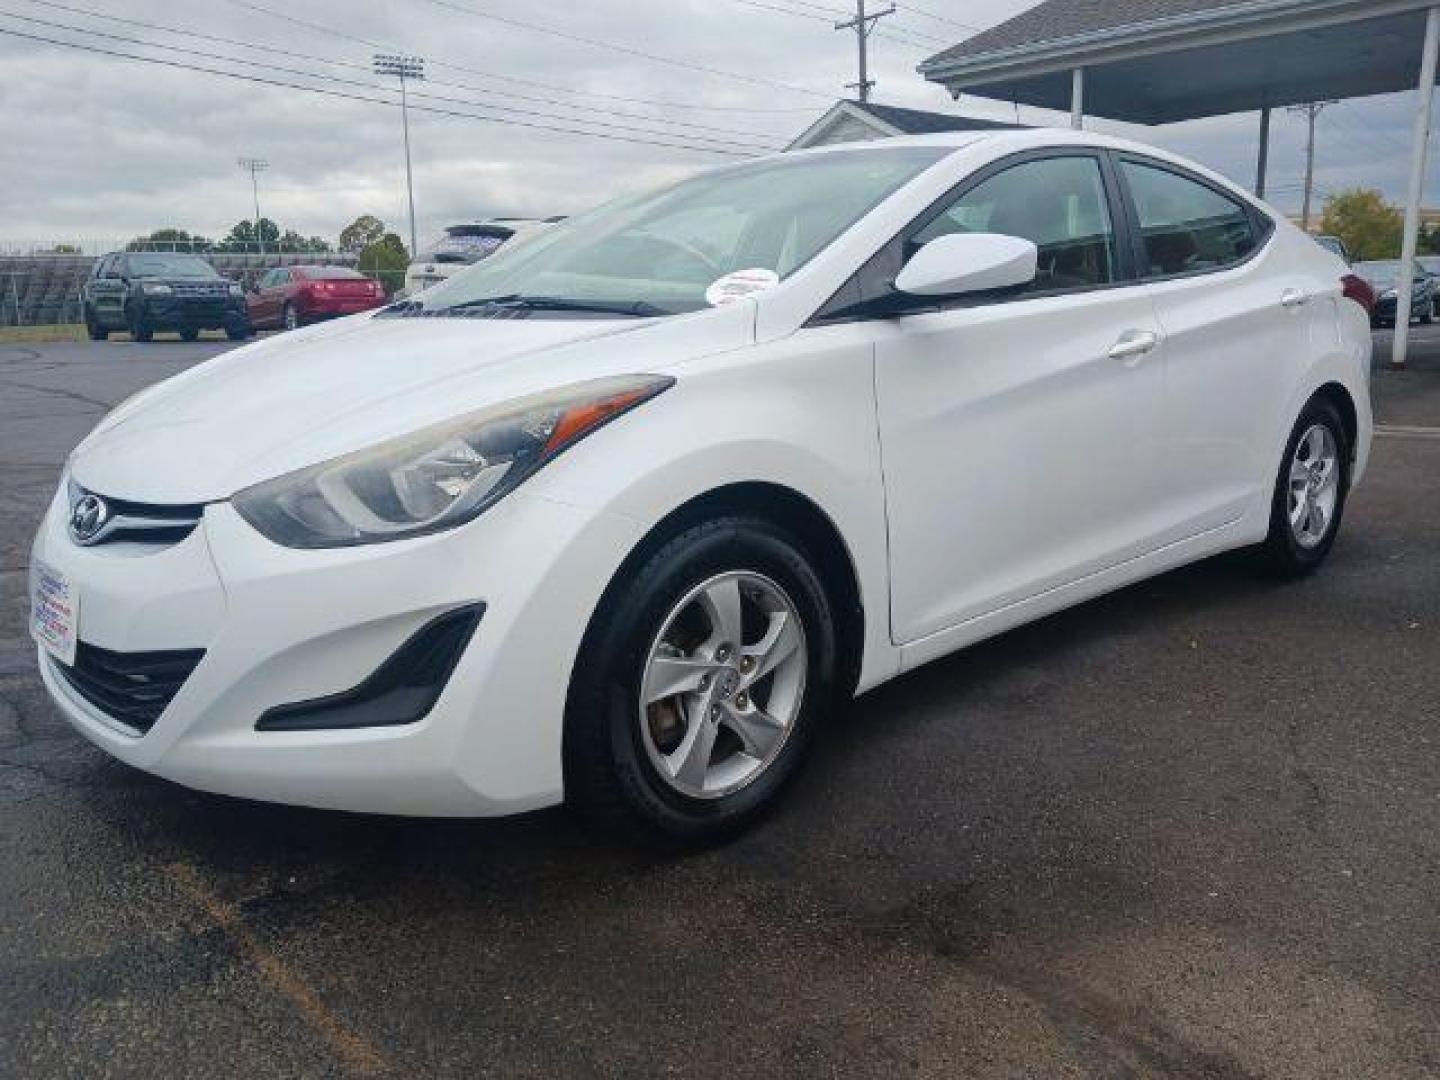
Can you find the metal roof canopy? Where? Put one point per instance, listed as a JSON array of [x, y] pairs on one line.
[[1163, 61]]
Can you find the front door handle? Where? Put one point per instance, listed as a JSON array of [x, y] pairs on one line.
[[1134, 346], [1294, 298]]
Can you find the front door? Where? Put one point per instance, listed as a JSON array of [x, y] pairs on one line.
[[1016, 431]]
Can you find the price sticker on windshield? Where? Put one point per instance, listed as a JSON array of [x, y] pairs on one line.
[[740, 284]]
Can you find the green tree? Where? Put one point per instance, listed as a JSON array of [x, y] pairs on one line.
[[244, 236], [61, 249], [291, 240], [386, 260], [1370, 227], [361, 233], [1430, 240], [169, 239]]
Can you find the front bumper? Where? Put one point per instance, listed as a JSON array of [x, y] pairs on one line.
[[280, 626], [201, 313]]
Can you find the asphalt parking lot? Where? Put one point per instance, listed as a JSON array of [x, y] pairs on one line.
[[1189, 830]]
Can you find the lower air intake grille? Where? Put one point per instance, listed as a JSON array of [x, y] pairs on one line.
[[131, 688]]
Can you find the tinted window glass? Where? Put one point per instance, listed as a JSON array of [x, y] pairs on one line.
[[1058, 203], [1187, 227]]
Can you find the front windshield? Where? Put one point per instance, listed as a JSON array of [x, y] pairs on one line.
[[662, 250], [153, 264]]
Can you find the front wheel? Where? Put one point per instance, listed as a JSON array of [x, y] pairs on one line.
[[93, 327], [1310, 492], [189, 333], [700, 684], [138, 323]]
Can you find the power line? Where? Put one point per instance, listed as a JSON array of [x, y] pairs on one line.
[[263, 81], [888, 35], [366, 68], [628, 50], [365, 85], [938, 18], [321, 28]]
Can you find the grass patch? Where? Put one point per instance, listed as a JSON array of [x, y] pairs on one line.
[[40, 335]]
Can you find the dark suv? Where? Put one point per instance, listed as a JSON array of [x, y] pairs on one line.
[[143, 292]]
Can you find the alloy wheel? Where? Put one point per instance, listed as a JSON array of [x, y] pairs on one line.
[[723, 685], [1314, 486]]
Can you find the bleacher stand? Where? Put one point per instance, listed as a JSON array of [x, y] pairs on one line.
[[41, 290]]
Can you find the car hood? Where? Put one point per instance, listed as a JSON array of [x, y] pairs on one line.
[[299, 398]]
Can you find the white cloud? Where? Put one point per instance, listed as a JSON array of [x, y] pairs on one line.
[[102, 148]]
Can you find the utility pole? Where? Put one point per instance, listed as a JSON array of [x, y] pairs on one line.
[[404, 67], [1311, 112], [255, 166], [862, 24]]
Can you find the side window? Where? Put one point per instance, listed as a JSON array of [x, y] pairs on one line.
[[99, 269], [1059, 203], [269, 280], [1186, 227]]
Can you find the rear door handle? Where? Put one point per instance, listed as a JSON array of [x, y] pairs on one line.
[[1294, 298], [1134, 346]]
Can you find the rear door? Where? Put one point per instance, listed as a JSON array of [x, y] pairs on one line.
[[1237, 321], [1016, 429]]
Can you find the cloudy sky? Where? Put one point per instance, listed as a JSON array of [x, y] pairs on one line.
[[100, 147]]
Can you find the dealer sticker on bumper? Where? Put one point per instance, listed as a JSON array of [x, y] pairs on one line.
[[54, 612]]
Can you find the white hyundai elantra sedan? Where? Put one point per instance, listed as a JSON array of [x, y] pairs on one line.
[[619, 517]]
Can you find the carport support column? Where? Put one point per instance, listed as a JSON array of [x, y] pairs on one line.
[[1077, 99], [1262, 165], [1420, 153]]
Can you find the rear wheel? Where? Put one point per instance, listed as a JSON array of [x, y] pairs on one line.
[[238, 331], [93, 327], [700, 685], [189, 334], [1310, 492]]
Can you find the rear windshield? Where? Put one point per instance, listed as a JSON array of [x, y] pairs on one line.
[[330, 273]]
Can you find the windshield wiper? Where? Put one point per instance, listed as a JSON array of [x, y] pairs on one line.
[[636, 309]]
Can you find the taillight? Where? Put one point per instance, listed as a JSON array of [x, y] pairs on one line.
[[1358, 289]]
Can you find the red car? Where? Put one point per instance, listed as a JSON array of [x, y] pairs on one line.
[[291, 296]]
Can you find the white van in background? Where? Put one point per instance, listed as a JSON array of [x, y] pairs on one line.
[[460, 246]]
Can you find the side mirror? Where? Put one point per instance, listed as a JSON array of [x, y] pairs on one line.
[[969, 263]]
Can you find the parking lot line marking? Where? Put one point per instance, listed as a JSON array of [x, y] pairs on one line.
[[360, 1056], [1403, 431]]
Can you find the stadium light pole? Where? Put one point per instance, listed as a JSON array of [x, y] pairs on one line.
[[255, 166], [404, 67]]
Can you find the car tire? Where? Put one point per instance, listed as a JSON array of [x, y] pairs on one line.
[[1314, 478], [290, 318], [94, 329], [1427, 316], [748, 725], [138, 324], [190, 334], [239, 331]]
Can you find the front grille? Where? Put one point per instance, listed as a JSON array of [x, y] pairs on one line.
[[202, 288], [141, 523], [132, 688]]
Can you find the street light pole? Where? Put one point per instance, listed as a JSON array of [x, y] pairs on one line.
[[403, 68], [255, 166]]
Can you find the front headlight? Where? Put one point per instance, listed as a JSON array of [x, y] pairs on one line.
[[236, 290], [156, 288], [437, 478]]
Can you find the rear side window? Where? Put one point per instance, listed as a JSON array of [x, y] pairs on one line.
[[1185, 226], [1058, 203]]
